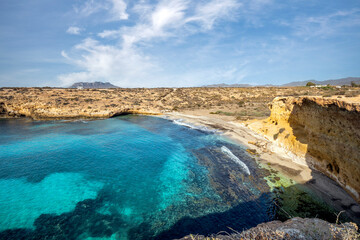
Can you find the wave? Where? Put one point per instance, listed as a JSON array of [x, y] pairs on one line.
[[243, 166], [200, 128], [74, 121]]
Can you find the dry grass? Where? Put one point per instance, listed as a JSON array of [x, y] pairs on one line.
[[238, 103], [263, 232]]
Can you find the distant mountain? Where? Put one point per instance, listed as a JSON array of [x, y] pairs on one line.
[[87, 85], [334, 82], [339, 82], [228, 85]]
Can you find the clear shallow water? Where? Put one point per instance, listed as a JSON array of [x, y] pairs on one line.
[[131, 177]]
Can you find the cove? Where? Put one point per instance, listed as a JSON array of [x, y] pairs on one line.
[[135, 177]]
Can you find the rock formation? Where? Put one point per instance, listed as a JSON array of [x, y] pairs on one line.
[[237, 103], [323, 133], [2, 108], [296, 228]]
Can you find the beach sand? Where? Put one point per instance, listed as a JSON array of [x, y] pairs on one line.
[[278, 158]]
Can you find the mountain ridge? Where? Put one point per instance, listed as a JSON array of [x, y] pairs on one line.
[[340, 81]]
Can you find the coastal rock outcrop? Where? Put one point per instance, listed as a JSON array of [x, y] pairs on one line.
[[296, 228], [323, 133], [2, 108]]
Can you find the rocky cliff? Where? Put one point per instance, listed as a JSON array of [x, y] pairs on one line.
[[323, 133]]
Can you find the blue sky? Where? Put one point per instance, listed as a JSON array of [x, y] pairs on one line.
[[174, 43]]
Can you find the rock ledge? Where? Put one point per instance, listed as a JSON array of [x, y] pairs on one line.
[[296, 228]]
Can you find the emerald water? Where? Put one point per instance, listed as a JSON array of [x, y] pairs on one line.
[[133, 177]]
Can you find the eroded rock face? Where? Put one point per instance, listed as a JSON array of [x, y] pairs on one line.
[[322, 133], [2, 108], [296, 228], [43, 104]]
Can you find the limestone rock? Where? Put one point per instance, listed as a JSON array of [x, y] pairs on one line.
[[323, 133]]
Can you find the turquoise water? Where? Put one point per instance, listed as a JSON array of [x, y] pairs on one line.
[[130, 177]]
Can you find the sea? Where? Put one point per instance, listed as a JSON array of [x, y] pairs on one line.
[[137, 177]]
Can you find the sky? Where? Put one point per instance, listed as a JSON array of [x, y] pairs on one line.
[[177, 43]]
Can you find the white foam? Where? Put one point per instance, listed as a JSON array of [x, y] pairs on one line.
[[185, 124], [243, 166]]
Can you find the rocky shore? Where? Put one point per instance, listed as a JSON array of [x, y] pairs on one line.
[[268, 152], [296, 228], [321, 133], [301, 133]]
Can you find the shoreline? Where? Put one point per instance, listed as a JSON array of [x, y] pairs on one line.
[[265, 151], [278, 158]]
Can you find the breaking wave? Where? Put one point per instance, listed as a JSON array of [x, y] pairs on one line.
[[200, 128], [243, 166]]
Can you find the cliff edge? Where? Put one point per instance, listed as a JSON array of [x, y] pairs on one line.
[[295, 228], [323, 133]]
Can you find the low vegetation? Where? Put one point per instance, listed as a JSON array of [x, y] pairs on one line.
[[237, 103]]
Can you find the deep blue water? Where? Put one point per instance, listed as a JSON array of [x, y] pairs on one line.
[[130, 177]]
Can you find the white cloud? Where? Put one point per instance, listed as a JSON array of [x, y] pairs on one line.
[[168, 14], [89, 7], [214, 10], [107, 63], [166, 17], [118, 10], [74, 30], [171, 18], [64, 54], [124, 63], [115, 9], [109, 34], [68, 79], [326, 25]]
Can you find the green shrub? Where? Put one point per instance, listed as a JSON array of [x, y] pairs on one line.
[[309, 84], [241, 103]]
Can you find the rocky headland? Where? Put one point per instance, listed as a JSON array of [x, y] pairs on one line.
[[323, 133]]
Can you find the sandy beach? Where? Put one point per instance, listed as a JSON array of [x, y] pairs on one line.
[[268, 152]]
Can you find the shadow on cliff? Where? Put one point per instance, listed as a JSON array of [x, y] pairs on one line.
[[328, 134], [318, 138]]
